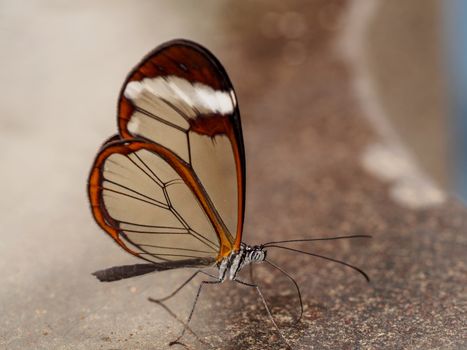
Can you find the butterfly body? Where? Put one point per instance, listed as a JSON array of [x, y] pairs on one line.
[[236, 261]]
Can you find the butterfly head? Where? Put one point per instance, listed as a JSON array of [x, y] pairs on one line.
[[255, 253]]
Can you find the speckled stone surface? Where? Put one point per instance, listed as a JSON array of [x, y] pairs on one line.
[[305, 136]]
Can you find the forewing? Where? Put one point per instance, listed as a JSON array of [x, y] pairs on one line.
[[150, 202], [180, 97]]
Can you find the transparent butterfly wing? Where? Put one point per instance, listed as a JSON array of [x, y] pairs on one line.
[[180, 96], [149, 202]]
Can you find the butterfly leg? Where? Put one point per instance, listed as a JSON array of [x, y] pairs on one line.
[[267, 309], [180, 287], [176, 341], [171, 313]]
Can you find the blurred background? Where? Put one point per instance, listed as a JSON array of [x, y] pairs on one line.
[[62, 64], [416, 56], [54, 54]]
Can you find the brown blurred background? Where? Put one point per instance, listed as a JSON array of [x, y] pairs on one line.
[[405, 59]]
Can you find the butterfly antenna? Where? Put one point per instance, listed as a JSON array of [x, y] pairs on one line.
[[296, 286], [325, 258], [317, 239]]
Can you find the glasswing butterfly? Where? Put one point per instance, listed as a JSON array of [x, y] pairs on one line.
[[169, 188]]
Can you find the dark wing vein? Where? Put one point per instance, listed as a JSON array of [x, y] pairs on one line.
[[179, 111], [175, 248], [161, 184], [154, 233], [189, 147], [135, 192], [151, 226], [174, 182], [174, 255], [134, 197], [144, 251], [155, 117], [150, 170], [195, 234]]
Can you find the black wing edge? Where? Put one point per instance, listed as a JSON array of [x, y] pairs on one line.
[[117, 273]]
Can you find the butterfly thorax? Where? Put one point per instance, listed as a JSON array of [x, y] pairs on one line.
[[232, 264]]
